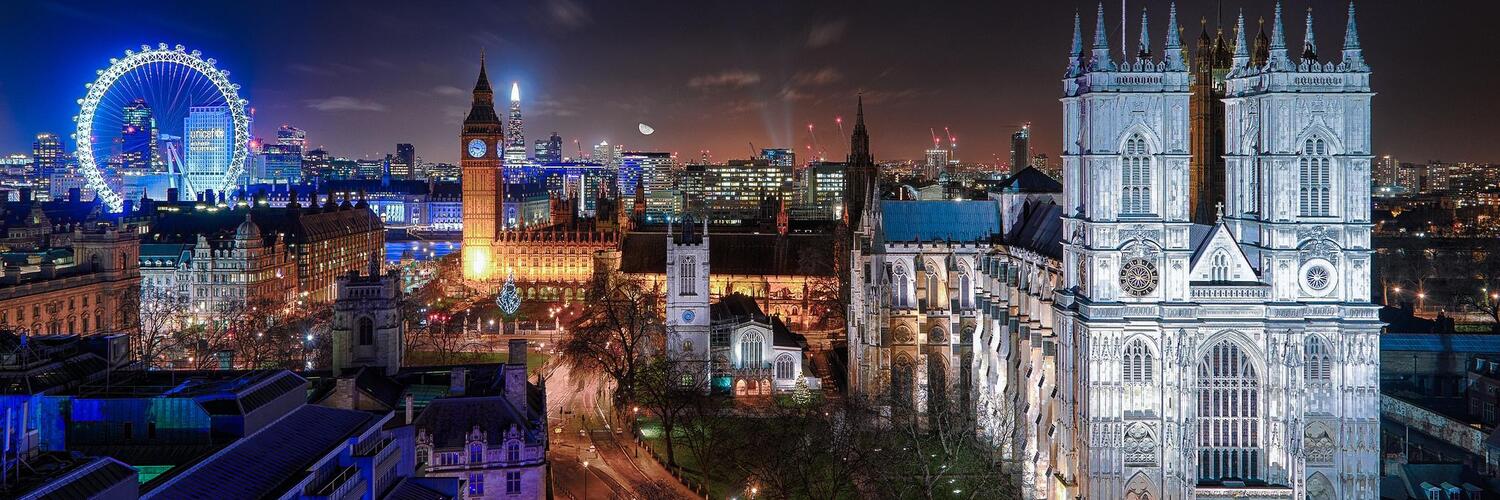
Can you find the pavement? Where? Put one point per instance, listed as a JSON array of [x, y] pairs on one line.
[[580, 433]]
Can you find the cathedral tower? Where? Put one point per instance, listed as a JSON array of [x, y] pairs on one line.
[[688, 298], [482, 145], [1238, 353], [1298, 158], [1127, 249]]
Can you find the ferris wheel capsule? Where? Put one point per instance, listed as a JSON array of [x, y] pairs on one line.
[[112, 62], [178, 47], [196, 53], [129, 52], [145, 47], [210, 61], [162, 45]]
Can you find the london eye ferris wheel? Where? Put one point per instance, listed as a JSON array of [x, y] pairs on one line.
[[161, 113]]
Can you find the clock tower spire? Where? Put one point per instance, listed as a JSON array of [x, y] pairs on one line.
[[481, 144]]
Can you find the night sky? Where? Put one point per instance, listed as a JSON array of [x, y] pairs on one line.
[[360, 76]]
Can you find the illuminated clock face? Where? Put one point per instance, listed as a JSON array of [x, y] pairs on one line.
[[476, 148], [687, 316]]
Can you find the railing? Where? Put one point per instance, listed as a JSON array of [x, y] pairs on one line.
[[340, 485], [1230, 292]]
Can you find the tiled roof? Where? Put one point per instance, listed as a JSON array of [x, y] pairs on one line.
[[268, 461], [92, 479], [944, 220], [741, 307], [1030, 180], [1039, 229], [450, 420]]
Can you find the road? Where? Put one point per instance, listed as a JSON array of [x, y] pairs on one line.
[[616, 469]]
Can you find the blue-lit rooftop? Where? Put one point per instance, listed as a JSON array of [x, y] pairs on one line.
[[944, 220]]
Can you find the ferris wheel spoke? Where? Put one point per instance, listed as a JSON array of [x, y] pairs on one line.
[[168, 81]]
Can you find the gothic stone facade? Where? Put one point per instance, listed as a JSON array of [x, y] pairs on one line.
[[1152, 357]]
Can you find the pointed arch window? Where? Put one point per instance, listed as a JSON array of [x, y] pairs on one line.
[[784, 366], [687, 274], [1138, 373], [1315, 181], [1229, 446], [751, 350], [899, 296], [1317, 365], [366, 331], [1219, 271], [1135, 178], [1139, 365], [965, 291]]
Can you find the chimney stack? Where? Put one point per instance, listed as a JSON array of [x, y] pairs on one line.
[[515, 377], [457, 378]]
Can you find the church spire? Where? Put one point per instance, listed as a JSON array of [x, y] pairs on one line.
[[1241, 50], [1075, 55], [859, 141], [1145, 44], [1278, 60], [483, 85], [1100, 61], [1354, 58], [1309, 46], [1172, 49]]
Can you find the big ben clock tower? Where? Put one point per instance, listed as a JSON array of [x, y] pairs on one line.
[[481, 146]]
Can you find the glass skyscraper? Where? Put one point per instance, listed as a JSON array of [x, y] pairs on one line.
[[209, 136]]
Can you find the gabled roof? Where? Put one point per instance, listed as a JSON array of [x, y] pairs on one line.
[[450, 420], [1217, 239], [940, 220], [1039, 229], [738, 307], [1030, 180]]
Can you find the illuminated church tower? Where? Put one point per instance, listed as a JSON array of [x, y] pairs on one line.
[[687, 299], [481, 145]]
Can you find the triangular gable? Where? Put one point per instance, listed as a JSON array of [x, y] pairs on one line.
[[1220, 242]]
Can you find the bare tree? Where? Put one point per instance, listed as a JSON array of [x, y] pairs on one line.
[[937, 454], [615, 333], [668, 389], [803, 453], [709, 431], [161, 318]]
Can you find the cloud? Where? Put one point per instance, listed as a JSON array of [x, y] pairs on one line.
[[728, 78], [880, 96], [824, 34], [333, 69], [742, 106], [823, 76], [344, 103], [568, 14], [792, 94], [448, 90], [553, 107]]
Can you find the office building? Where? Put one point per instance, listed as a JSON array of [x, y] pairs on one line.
[[209, 138]]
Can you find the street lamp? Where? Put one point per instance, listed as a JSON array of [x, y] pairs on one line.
[[637, 430], [585, 479]]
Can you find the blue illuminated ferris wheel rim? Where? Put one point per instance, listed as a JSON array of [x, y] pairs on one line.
[[89, 104]]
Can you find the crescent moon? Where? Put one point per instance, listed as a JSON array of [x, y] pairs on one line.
[[646, 129]]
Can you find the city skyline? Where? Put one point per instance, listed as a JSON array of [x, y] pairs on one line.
[[362, 80]]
